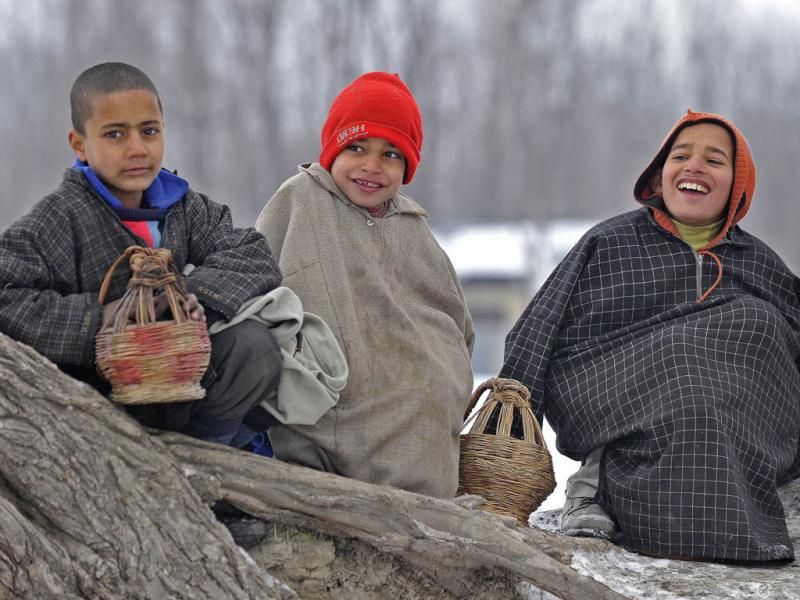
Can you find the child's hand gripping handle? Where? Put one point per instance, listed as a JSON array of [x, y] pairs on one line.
[[150, 269]]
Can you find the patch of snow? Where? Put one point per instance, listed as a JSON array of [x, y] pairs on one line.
[[497, 251], [528, 591], [522, 250], [627, 577], [641, 577], [249, 559]]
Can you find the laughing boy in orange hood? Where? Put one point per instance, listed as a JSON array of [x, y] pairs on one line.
[[664, 351]]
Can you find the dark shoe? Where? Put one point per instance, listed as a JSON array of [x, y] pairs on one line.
[[247, 531], [583, 517]]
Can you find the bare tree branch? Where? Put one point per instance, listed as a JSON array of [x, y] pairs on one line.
[[437, 536]]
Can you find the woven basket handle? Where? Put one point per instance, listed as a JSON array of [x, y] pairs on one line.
[[107, 279], [496, 383], [150, 268], [518, 395]]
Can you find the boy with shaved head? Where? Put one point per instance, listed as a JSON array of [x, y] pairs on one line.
[[116, 195]]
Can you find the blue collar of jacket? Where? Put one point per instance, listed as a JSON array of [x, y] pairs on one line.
[[166, 189]]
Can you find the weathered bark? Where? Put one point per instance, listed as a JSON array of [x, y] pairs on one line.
[[324, 567], [440, 537], [92, 506]]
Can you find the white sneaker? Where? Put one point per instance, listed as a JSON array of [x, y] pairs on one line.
[[583, 517]]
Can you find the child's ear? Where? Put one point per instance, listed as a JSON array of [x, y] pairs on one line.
[[77, 144], [655, 182]]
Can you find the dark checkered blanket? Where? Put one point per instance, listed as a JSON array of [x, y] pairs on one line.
[[697, 404]]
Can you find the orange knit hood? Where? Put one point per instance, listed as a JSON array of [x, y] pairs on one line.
[[742, 188]]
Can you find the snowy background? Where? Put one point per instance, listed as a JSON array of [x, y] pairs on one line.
[[534, 110]]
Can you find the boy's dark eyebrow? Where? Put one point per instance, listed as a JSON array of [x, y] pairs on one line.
[[709, 148], [124, 125]]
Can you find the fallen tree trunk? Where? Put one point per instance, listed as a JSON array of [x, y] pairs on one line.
[[443, 539]]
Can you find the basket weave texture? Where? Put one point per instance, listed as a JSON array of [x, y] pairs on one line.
[[152, 361], [513, 475]]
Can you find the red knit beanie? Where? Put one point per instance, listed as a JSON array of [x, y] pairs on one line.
[[375, 105]]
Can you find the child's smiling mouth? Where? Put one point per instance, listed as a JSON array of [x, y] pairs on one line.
[[693, 186], [370, 186]]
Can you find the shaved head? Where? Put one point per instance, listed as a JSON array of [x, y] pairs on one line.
[[105, 78]]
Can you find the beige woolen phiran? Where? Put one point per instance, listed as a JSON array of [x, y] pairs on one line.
[[391, 297]]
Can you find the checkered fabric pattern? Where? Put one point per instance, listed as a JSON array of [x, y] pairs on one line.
[[697, 404], [53, 260]]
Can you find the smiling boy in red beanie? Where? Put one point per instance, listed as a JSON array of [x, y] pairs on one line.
[[360, 254]]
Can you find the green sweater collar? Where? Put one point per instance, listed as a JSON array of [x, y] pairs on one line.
[[697, 237]]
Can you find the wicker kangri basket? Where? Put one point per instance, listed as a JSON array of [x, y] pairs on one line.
[[514, 475], [152, 361]]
